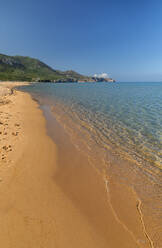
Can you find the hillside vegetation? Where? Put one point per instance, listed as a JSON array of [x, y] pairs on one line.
[[19, 68]]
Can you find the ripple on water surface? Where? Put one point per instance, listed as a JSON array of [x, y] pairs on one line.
[[119, 125]]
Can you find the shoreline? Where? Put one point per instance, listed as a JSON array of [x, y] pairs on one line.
[[82, 169], [47, 200]]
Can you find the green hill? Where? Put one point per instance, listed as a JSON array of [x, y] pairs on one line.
[[19, 68]]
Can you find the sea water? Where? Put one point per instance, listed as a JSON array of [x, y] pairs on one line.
[[119, 125]]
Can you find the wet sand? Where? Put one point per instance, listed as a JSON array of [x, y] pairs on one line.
[[50, 196]]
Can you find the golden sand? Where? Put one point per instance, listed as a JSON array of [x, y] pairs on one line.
[[47, 201]]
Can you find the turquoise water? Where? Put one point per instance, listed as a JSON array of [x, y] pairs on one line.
[[125, 115], [119, 125]]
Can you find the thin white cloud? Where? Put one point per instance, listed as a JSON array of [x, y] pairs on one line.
[[102, 75]]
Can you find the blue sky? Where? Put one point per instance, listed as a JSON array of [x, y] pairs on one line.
[[120, 37]]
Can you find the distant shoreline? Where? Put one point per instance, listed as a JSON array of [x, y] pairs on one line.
[[20, 68], [62, 81]]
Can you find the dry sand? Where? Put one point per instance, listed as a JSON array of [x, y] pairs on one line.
[[43, 206]]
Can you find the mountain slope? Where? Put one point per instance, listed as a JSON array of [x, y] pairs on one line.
[[19, 68]]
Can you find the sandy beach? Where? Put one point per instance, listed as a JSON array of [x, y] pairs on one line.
[[47, 202]]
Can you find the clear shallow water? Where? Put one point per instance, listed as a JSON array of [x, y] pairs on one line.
[[125, 115], [120, 126]]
